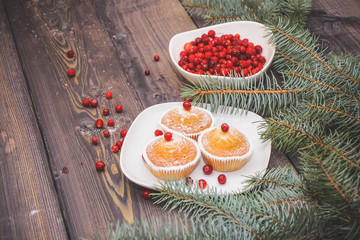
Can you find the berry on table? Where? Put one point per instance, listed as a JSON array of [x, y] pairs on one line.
[[110, 122], [71, 72], [222, 179], [106, 133], [106, 112], [156, 58], [86, 102], [118, 108], [158, 132], [224, 127], [119, 144], [146, 194], [187, 105], [168, 136], [207, 169], [108, 95], [99, 123], [95, 140], [123, 133], [94, 102], [147, 72], [189, 181], [115, 148], [70, 53], [202, 183], [100, 165]]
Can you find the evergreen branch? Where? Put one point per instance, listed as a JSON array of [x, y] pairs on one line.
[[335, 111], [289, 200], [247, 92]]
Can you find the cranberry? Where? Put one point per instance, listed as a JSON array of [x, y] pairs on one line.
[[106, 133], [100, 165], [119, 144], [108, 95], [115, 148], [86, 102], [146, 194], [224, 127], [168, 136], [187, 105], [70, 53], [207, 169], [94, 102], [106, 112], [147, 72], [95, 140], [222, 179], [110, 122], [158, 132], [123, 133], [211, 33], [202, 183], [99, 123], [71, 72], [156, 58], [118, 108], [189, 181]]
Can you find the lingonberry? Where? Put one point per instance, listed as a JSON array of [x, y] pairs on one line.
[[86, 102], [70, 53], [224, 127], [187, 105], [108, 95], [189, 181], [147, 72], [146, 194], [94, 102], [95, 140], [168, 136], [100, 165], [207, 169], [118, 108], [99, 123], [106, 112], [222, 179], [123, 133], [202, 183], [158, 132], [156, 58], [119, 144], [115, 148], [71, 72], [110, 122], [106, 133]]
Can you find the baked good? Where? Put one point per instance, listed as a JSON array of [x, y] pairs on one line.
[[225, 150], [189, 121], [171, 158]]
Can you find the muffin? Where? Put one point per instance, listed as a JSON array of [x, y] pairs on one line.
[[171, 158], [187, 120], [225, 148]]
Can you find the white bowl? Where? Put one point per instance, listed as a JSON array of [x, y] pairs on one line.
[[254, 31]]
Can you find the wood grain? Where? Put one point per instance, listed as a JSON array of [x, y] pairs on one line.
[[29, 205]]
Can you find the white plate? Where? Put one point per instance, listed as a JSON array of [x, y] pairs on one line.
[[142, 130]]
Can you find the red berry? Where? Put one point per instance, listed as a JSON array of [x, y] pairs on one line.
[[111, 122], [95, 140], [189, 181], [168, 136], [146, 194], [106, 133], [71, 72], [211, 33], [187, 105], [123, 133], [108, 95], [158, 132], [115, 148], [86, 102], [100, 165], [119, 144], [222, 179], [99, 123], [147, 72], [202, 183], [207, 169], [94, 102], [224, 127], [156, 58], [70, 53], [118, 108], [106, 112]]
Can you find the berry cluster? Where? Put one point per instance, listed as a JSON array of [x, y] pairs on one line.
[[223, 55]]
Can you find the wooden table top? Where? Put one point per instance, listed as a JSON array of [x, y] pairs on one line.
[[49, 187]]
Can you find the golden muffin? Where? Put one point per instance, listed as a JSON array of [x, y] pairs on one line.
[[171, 159], [225, 150]]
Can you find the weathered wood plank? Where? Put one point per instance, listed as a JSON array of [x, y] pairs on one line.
[[29, 206]]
